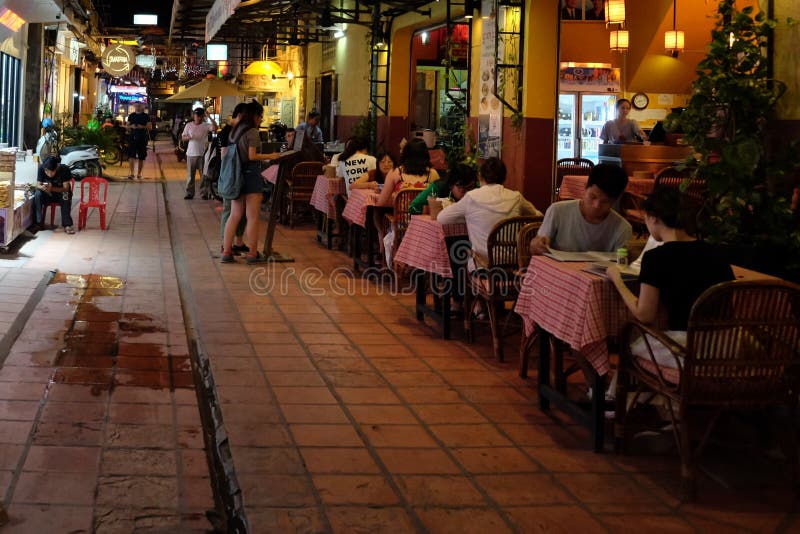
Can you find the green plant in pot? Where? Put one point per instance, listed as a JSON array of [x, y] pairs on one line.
[[726, 120]]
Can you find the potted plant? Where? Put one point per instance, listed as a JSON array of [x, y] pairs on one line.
[[726, 121]]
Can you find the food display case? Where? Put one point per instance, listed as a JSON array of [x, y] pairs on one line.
[[17, 178]]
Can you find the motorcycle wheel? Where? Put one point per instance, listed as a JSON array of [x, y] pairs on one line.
[[111, 156], [93, 169]]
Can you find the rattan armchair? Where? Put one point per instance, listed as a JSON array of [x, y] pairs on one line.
[[400, 217], [494, 282], [742, 352], [300, 186]]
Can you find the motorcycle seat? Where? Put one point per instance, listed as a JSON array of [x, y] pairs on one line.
[[68, 149]]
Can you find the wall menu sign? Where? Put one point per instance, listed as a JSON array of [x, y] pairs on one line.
[[118, 60]]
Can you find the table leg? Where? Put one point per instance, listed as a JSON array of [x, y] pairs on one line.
[[419, 277], [446, 294], [544, 367], [355, 244], [558, 362], [372, 237], [598, 411]]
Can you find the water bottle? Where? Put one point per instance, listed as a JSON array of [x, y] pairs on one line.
[[622, 256]]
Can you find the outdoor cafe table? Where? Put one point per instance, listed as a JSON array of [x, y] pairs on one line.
[[426, 248], [325, 189], [573, 186], [358, 212], [583, 310]]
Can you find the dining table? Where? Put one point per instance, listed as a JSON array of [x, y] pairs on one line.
[[431, 248], [583, 311], [322, 199], [573, 186], [359, 213]]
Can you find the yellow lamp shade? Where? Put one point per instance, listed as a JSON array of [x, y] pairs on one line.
[[263, 68], [618, 40], [673, 41], [615, 11]]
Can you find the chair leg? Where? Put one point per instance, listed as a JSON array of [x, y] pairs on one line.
[[497, 343], [102, 210], [687, 460], [468, 303], [621, 397], [52, 215]]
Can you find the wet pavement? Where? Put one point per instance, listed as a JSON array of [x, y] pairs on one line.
[[342, 413]]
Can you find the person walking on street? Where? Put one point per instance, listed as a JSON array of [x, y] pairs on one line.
[[196, 133], [139, 125]]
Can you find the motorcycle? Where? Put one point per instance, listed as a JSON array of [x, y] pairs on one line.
[[82, 160]]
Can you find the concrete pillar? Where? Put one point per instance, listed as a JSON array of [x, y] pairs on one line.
[[31, 97]]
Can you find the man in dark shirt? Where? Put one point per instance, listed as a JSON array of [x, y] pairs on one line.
[[54, 186], [571, 11], [139, 125], [311, 126]]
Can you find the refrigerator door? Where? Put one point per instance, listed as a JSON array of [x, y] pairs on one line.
[[567, 133], [595, 110]]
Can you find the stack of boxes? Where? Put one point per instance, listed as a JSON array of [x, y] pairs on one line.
[[8, 161]]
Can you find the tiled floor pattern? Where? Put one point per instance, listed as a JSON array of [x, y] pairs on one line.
[[345, 414], [100, 427]]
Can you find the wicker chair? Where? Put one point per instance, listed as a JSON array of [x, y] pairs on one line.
[[526, 234], [672, 177], [300, 186], [571, 166], [494, 282], [742, 352], [400, 218]]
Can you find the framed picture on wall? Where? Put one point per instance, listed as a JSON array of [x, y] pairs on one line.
[[583, 10]]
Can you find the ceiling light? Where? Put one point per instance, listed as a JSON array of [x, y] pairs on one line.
[[674, 39], [11, 20], [424, 37], [141, 19], [338, 34], [263, 68]]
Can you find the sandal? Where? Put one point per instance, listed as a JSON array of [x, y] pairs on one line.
[[130, 177], [69, 230]]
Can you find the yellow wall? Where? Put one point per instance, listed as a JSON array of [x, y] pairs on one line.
[[352, 68], [541, 59], [787, 58], [313, 71]]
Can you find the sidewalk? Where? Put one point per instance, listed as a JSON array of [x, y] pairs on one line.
[[343, 413], [100, 426]]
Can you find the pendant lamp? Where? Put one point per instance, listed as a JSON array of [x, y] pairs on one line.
[[674, 40]]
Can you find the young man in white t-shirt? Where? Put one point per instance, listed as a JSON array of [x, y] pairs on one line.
[[196, 133]]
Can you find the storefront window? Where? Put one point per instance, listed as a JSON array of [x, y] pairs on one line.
[[440, 82], [9, 98]]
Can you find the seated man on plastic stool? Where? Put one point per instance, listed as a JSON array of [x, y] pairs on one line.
[[53, 187]]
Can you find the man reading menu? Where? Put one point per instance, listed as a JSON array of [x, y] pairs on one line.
[[587, 223]]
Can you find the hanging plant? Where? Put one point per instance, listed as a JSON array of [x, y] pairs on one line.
[[732, 102]]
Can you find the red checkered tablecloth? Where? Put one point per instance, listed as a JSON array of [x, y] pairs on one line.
[[270, 174], [573, 186], [355, 211], [325, 189], [424, 247], [577, 307]]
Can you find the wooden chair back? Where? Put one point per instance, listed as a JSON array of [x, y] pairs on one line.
[[501, 246], [673, 177], [743, 345], [526, 233], [402, 200], [304, 177], [572, 166]]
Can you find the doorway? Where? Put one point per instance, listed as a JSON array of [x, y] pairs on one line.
[[326, 98]]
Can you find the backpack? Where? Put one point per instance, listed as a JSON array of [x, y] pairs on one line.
[[231, 171]]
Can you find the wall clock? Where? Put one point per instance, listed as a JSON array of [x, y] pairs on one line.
[[640, 101]]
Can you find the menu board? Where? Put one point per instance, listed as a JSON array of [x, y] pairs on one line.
[[490, 109]]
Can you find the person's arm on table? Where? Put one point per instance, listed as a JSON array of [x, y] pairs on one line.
[[644, 307], [364, 182], [417, 205], [541, 243], [454, 213]]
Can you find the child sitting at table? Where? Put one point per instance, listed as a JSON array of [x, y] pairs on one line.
[[460, 180], [674, 274], [588, 223]]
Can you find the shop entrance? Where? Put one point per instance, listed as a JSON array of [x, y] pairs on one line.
[[326, 90], [440, 83]]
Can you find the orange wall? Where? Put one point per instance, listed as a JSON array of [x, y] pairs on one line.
[[646, 67]]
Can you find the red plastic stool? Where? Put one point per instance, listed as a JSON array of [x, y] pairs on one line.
[[91, 199], [53, 207]]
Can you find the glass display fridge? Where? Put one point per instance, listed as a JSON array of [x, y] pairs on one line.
[[581, 116]]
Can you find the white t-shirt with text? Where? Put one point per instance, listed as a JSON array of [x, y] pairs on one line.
[[354, 168]]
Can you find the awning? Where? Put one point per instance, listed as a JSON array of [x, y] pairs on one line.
[[209, 87]]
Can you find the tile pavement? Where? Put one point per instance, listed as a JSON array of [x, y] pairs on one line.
[[344, 414]]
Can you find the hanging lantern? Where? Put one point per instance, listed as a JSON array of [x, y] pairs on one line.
[[674, 41], [615, 12], [618, 40]]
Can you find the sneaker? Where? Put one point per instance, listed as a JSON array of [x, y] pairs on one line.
[[258, 258], [226, 258], [240, 249]]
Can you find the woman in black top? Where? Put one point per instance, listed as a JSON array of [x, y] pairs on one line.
[[674, 274]]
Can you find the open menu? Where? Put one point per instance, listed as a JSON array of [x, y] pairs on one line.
[[628, 272], [562, 255]]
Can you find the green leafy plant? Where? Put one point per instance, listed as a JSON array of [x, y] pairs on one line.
[[725, 122]]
